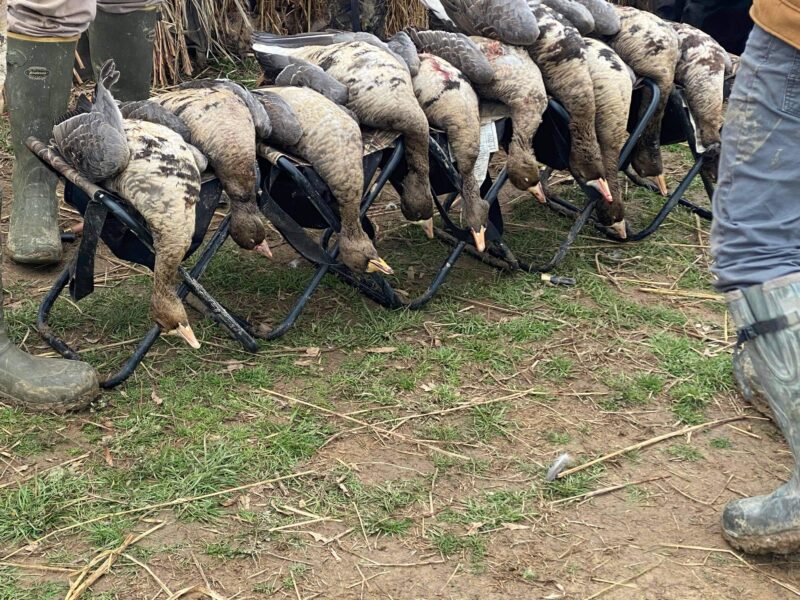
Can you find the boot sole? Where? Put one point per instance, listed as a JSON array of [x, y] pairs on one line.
[[58, 408], [787, 542], [36, 260]]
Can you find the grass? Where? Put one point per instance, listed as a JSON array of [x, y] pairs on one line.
[[575, 484], [448, 544], [721, 443], [684, 453], [492, 509], [700, 377], [11, 588], [191, 423]]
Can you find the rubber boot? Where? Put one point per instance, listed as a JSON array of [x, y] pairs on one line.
[[42, 384], [771, 524], [127, 38], [37, 89]]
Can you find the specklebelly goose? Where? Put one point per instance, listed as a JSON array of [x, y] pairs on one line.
[[381, 94], [331, 143]]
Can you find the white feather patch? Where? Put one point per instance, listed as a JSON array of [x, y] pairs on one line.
[[438, 10], [268, 49]]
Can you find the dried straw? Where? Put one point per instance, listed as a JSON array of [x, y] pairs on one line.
[[221, 29]]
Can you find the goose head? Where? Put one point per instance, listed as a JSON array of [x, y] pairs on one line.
[[169, 313], [416, 203], [247, 227], [358, 253], [523, 171], [646, 161], [588, 170]]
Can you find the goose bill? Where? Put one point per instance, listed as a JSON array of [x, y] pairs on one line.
[[185, 331], [263, 249], [538, 192], [427, 227], [378, 265], [620, 228], [601, 185], [479, 237], [661, 182]]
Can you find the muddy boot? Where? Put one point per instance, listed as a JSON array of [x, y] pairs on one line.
[[768, 318], [128, 39], [42, 384], [750, 386], [37, 91]]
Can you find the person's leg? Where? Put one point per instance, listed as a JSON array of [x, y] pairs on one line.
[[755, 242], [25, 381], [41, 45], [125, 31]]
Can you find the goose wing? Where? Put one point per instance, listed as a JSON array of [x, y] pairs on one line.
[[606, 18], [286, 128], [296, 72], [93, 146], [510, 21], [400, 43], [458, 50], [577, 14], [152, 112]]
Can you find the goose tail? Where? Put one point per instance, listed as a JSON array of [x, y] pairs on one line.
[[109, 74], [82, 106]]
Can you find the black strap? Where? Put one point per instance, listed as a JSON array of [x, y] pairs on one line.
[[752, 331], [294, 235], [81, 282], [355, 15]]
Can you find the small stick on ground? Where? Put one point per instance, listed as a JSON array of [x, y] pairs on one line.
[[103, 562], [724, 487], [363, 531], [623, 581], [196, 589], [606, 490], [651, 442], [777, 582], [151, 507], [399, 436], [200, 569], [33, 567], [683, 294], [150, 572]]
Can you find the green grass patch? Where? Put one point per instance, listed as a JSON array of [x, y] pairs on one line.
[[702, 377], [684, 453]]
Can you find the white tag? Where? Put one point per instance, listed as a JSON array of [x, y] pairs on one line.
[[489, 144]]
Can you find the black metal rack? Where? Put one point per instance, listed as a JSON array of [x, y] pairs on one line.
[[123, 230]]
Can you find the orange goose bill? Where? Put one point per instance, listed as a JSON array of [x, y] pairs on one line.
[[479, 237], [601, 185], [427, 227], [620, 228], [538, 192], [263, 249], [378, 265], [661, 182], [185, 331]]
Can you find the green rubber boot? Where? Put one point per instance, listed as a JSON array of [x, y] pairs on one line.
[[37, 89], [769, 316], [42, 384], [128, 39]]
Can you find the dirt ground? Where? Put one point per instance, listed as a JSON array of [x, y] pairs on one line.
[[412, 445]]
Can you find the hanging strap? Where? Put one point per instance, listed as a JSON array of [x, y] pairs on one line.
[[81, 282], [355, 15], [752, 331], [748, 334]]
